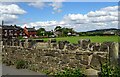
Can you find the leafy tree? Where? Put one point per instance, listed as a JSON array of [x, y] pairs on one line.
[[58, 28], [49, 33], [41, 32]]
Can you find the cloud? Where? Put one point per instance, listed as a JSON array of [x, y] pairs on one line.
[[48, 24], [37, 4], [104, 19], [11, 9], [56, 6], [100, 19], [110, 8], [10, 12], [96, 13], [75, 19]]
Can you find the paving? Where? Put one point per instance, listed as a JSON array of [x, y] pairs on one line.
[[7, 70]]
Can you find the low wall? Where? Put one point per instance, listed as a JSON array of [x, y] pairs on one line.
[[53, 56], [53, 59]]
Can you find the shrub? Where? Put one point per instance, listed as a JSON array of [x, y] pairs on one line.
[[70, 73], [20, 64], [20, 37], [117, 71], [108, 69]]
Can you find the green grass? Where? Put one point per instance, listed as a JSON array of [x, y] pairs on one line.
[[74, 39], [100, 39]]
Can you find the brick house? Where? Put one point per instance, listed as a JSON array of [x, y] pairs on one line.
[[9, 31], [30, 32]]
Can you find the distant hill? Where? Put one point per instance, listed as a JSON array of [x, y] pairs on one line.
[[104, 30], [101, 32]]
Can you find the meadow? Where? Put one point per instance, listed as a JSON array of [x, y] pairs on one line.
[[74, 39]]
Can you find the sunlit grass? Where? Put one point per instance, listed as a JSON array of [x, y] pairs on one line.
[[74, 39]]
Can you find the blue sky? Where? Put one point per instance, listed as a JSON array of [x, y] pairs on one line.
[[45, 14], [81, 16]]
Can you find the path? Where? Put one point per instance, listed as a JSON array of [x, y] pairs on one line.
[[7, 70]]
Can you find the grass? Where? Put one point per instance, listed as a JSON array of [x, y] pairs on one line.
[[74, 39]]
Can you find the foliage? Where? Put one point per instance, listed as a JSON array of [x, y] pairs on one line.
[[117, 71], [41, 32], [49, 33], [20, 37], [63, 31], [58, 28], [70, 73], [21, 64], [108, 70]]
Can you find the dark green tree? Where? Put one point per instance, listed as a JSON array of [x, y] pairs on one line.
[[58, 28], [41, 32]]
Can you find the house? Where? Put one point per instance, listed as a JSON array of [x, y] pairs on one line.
[[9, 31], [57, 33], [30, 32], [109, 33]]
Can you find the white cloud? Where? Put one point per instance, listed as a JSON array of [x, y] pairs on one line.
[[11, 9], [47, 24], [56, 6], [10, 12], [114, 13], [97, 13], [110, 8], [99, 24], [103, 19], [76, 19], [100, 19], [37, 4]]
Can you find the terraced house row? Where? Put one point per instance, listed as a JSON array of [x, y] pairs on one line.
[[13, 31]]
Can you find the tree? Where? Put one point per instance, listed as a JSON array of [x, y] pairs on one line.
[[49, 33], [58, 28], [41, 32]]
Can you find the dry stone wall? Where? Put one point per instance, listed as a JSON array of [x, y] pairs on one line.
[[53, 56]]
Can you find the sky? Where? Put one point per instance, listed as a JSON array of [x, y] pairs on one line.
[[81, 16]]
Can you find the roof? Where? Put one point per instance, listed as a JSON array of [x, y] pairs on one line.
[[31, 29], [10, 27]]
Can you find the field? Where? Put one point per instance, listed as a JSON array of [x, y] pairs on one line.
[[74, 39]]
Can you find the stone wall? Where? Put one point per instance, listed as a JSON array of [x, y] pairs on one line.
[[53, 56]]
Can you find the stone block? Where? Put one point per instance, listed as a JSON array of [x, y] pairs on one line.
[[84, 43]]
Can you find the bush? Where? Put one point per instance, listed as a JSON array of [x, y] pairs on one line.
[[117, 71], [70, 73], [108, 70], [20, 37], [20, 64]]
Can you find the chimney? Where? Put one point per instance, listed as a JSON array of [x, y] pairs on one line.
[[15, 25], [2, 22], [33, 27]]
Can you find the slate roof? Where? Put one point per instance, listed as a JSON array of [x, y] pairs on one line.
[[9, 27], [31, 29]]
